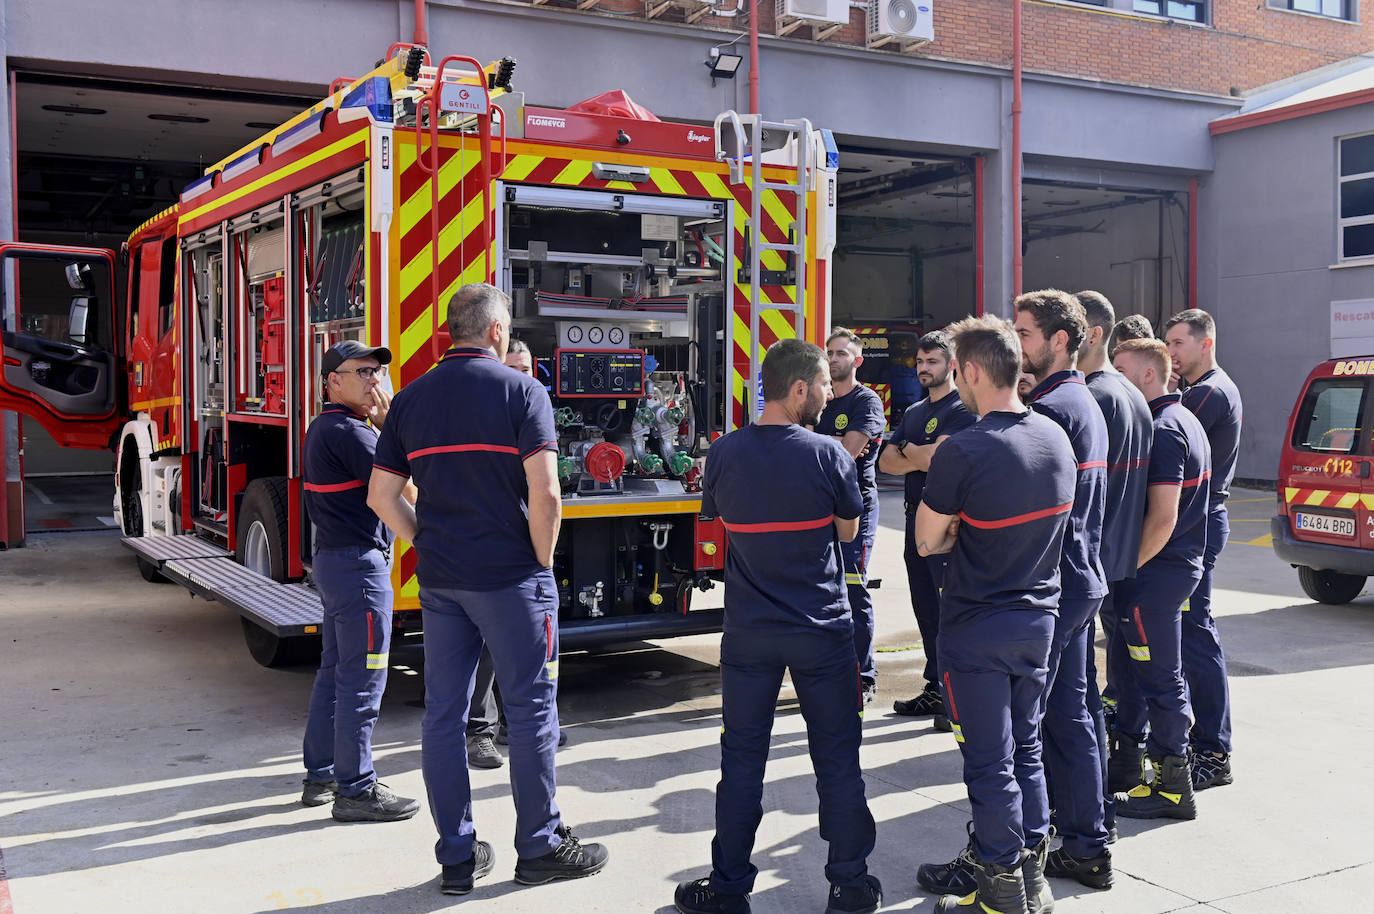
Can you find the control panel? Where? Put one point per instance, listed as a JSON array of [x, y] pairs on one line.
[[599, 373]]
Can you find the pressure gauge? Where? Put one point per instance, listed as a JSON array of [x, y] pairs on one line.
[[574, 333], [595, 335], [615, 336]]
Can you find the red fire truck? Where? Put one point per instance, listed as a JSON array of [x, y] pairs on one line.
[[650, 265]]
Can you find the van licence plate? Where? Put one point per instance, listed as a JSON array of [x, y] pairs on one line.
[[1325, 523]]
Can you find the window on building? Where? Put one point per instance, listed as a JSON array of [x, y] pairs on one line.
[[1355, 194], [1335, 9], [1189, 10]]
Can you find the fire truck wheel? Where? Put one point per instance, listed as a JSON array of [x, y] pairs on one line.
[[1330, 586], [271, 650], [262, 528]]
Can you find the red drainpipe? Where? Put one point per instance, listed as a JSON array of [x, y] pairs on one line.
[[753, 56], [978, 235], [1016, 145], [1192, 242], [421, 31]]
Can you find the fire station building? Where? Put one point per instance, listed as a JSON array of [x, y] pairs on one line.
[[1168, 153]]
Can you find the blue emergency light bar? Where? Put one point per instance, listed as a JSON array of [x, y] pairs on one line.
[[832, 152], [375, 95]]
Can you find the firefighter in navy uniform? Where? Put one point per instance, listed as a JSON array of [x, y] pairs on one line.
[[1213, 397], [788, 498], [907, 452], [1172, 543], [855, 416], [1128, 459], [480, 442], [352, 572], [998, 499]]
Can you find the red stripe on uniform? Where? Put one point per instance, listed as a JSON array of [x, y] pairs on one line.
[[369, 631], [949, 699], [462, 448], [1017, 519], [1093, 464], [1140, 627], [784, 526], [548, 637], [1138, 464], [334, 487], [1193, 483]]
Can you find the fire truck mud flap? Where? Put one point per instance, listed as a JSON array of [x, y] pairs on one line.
[[283, 610]]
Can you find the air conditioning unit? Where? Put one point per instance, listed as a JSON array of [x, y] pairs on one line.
[[826, 16], [910, 23]]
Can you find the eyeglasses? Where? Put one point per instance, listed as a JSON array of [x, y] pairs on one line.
[[366, 374]]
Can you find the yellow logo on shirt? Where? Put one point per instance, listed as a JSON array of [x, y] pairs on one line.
[[841, 421], [930, 426]]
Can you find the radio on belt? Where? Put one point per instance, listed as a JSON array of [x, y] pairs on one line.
[[599, 373]]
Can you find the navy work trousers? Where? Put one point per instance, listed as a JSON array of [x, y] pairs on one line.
[[355, 587], [1204, 661], [484, 713], [855, 554], [519, 625], [1107, 615], [823, 673], [1152, 692], [995, 670], [1073, 759], [924, 577]]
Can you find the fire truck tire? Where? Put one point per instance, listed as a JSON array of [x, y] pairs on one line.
[[262, 528], [274, 651], [1330, 587]]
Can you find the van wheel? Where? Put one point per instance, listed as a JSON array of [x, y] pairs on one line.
[[1330, 586], [272, 651], [262, 528]]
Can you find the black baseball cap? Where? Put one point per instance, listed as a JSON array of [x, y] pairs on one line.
[[352, 349]]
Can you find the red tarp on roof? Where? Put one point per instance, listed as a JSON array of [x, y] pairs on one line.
[[616, 103]]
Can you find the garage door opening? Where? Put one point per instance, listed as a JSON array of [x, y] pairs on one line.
[[95, 158]]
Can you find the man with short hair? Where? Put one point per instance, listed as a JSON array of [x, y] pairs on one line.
[[484, 463], [998, 498], [1169, 565], [1214, 398], [788, 498], [352, 573], [1127, 418], [1130, 327], [855, 417], [924, 426], [1051, 326]]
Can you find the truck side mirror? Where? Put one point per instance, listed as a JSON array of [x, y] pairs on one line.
[[79, 277], [77, 320]]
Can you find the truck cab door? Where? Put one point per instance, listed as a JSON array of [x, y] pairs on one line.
[[57, 322]]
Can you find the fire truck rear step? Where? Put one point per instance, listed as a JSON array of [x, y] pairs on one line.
[[285, 610]]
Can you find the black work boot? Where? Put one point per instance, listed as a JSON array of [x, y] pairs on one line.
[[1039, 900], [570, 860], [1211, 770], [1168, 796], [999, 890], [1094, 872], [953, 878], [1125, 763], [697, 897], [376, 804], [458, 878], [855, 899], [928, 702]]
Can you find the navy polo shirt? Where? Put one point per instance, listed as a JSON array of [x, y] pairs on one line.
[[860, 410], [336, 464], [1064, 397], [1010, 478], [923, 423], [1215, 400], [1180, 455], [1129, 430], [463, 432], [778, 490]]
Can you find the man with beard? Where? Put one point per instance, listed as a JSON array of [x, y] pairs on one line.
[[788, 498], [855, 416], [1213, 397], [1170, 563], [924, 426], [998, 498]]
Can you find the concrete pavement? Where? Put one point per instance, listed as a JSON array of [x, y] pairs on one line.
[[150, 765]]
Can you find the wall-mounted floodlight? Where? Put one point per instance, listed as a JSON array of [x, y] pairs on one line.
[[722, 66]]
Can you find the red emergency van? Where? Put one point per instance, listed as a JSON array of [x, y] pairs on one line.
[[1325, 524]]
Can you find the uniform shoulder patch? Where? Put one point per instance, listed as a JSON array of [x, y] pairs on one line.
[[841, 422], [930, 426]]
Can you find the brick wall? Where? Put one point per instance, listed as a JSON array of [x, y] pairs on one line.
[[1247, 45]]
